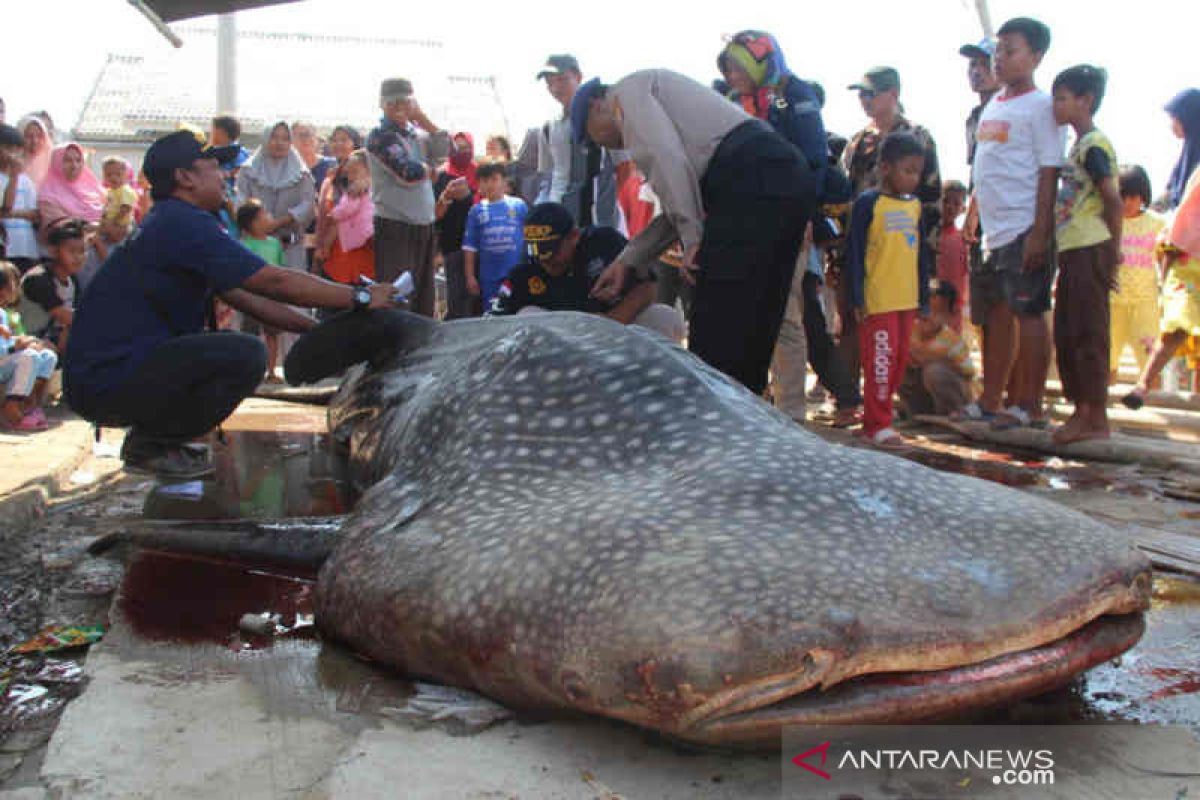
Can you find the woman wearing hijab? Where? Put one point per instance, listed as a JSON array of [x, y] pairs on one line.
[[342, 142], [1184, 109], [38, 145], [1178, 248], [456, 188], [70, 189], [277, 178], [761, 83]]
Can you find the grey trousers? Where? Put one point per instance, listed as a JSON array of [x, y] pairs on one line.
[[459, 302], [400, 246]]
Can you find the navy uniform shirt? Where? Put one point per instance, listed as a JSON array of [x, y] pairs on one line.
[[528, 284], [152, 287]]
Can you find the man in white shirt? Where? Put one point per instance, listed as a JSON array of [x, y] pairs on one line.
[[581, 178], [1018, 154]]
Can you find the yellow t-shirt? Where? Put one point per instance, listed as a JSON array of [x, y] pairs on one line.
[[1080, 208], [892, 252], [1138, 276], [118, 197]]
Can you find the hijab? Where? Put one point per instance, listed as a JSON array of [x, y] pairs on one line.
[[83, 197], [758, 53], [1185, 107], [461, 164], [275, 173], [37, 165]]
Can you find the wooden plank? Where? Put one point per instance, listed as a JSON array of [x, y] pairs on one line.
[[1174, 551], [1173, 401], [1119, 448]]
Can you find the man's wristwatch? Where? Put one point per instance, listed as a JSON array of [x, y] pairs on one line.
[[362, 298]]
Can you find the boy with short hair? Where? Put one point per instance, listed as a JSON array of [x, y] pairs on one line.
[[1088, 235], [952, 251], [888, 272], [1018, 154], [494, 240], [938, 380]]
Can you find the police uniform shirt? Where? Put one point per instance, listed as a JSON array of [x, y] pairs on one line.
[[529, 284]]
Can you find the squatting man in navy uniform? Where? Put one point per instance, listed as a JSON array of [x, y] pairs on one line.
[[138, 355], [561, 269]]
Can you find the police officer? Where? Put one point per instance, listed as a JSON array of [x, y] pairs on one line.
[[563, 264], [734, 191], [138, 355]]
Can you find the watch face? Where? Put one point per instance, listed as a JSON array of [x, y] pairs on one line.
[[362, 297]]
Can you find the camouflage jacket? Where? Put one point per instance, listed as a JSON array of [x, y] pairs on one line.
[[861, 162]]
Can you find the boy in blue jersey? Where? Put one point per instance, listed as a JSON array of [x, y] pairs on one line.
[[888, 278], [494, 241]]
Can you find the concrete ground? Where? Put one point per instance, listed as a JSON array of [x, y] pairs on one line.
[[177, 701]]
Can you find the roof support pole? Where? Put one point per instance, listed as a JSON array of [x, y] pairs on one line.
[[226, 64], [157, 22]]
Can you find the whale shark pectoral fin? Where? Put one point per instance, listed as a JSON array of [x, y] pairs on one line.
[[298, 543], [352, 338]]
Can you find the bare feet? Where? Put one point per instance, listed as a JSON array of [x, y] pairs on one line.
[[1080, 428]]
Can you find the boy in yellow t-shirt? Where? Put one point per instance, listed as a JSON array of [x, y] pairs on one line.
[[888, 275], [1088, 235], [1134, 305]]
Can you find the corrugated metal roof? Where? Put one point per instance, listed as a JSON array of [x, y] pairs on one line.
[[175, 10], [327, 80]]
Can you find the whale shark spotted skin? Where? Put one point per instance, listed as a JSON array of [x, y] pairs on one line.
[[565, 513]]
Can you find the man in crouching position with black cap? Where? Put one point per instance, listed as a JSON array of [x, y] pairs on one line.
[[138, 355]]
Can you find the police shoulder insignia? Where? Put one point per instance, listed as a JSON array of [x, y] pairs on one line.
[[537, 285]]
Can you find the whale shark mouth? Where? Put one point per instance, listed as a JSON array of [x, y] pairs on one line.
[[908, 697]]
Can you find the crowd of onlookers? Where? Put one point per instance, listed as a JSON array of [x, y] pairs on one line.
[[902, 274]]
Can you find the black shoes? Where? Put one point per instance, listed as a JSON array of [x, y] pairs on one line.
[[166, 460]]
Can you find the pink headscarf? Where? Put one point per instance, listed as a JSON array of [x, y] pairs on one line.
[[37, 164], [83, 197]]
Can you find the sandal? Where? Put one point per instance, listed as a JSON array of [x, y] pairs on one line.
[[29, 424], [1134, 400], [972, 412], [846, 418], [888, 439], [1012, 417]]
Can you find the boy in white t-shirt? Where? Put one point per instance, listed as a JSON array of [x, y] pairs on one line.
[[1019, 153]]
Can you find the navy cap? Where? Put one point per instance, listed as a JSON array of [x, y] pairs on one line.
[[179, 150], [579, 108], [985, 48], [545, 227], [557, 65]]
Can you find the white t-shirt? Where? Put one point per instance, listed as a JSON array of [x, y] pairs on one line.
[[1017, 136], [22, 238]]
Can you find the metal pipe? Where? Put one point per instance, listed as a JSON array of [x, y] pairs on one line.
[[985, 18], [226, 64], [157, 22]]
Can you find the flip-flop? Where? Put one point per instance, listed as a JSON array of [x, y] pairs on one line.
[[888, 439], [1011, 418], [1133, 401], [972, 412], [846, 418]]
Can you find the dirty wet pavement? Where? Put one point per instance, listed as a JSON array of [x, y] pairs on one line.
[[320, 722]]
